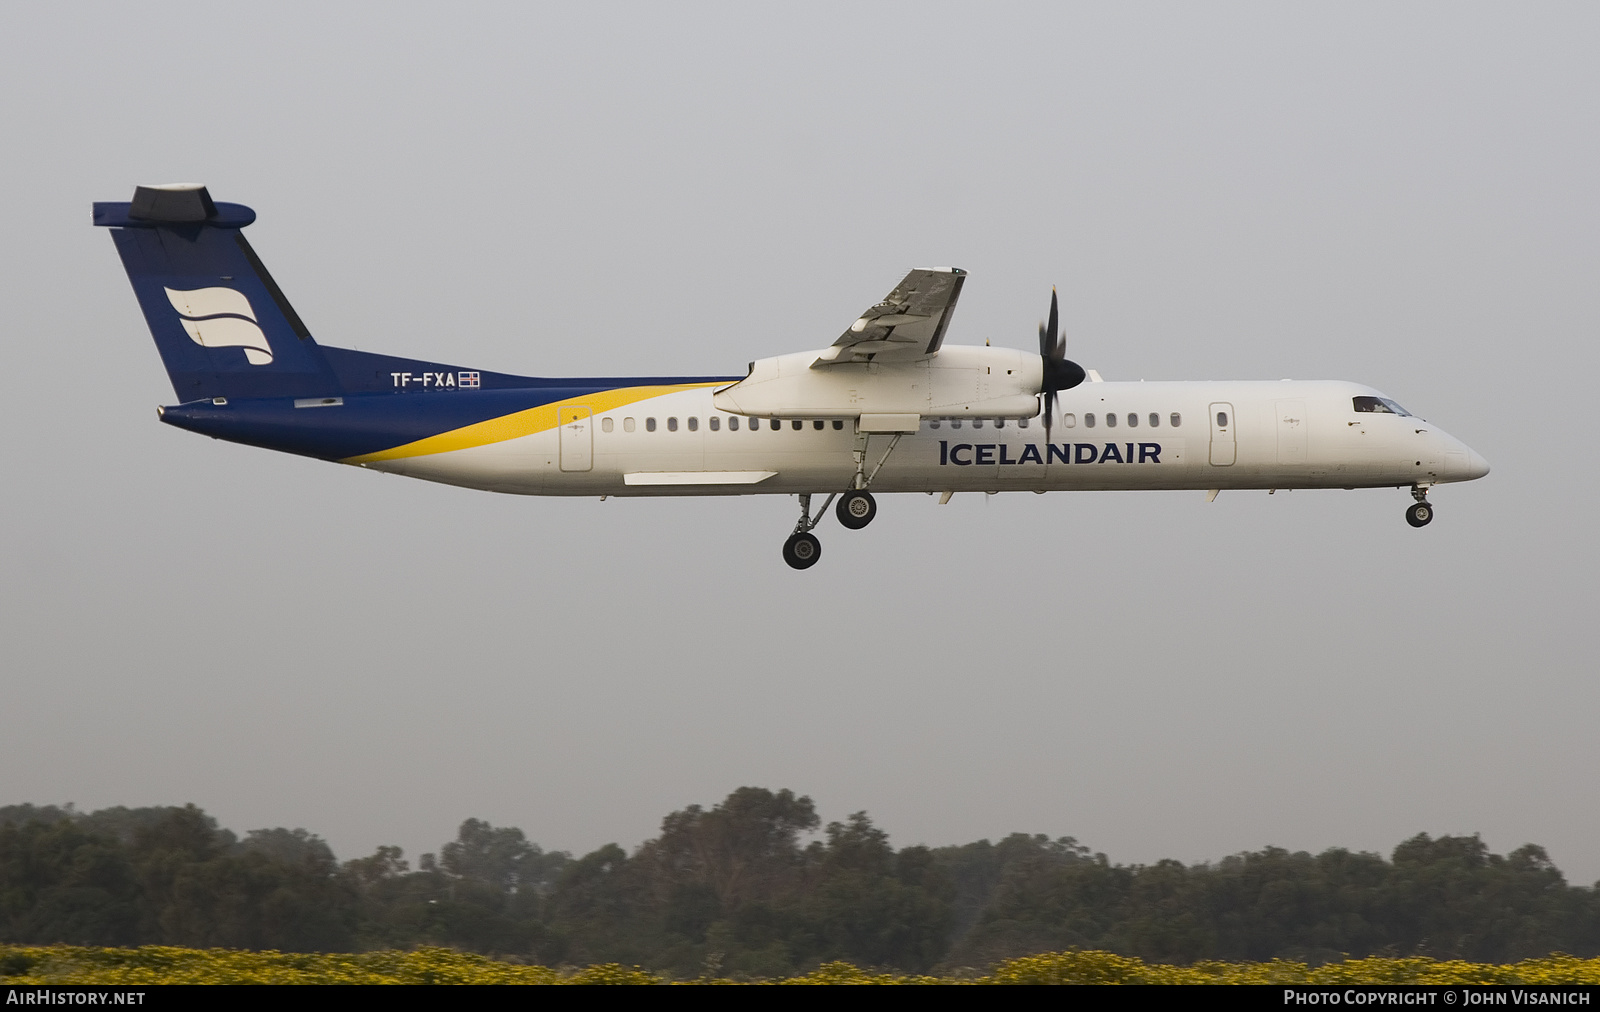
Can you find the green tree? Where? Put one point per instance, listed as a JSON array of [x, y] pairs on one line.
[[876, 907], [59, 883]]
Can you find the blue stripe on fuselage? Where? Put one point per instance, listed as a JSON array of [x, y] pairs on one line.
[[371, 422]]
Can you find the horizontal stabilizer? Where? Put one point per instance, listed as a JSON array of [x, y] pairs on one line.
[[173, 204]]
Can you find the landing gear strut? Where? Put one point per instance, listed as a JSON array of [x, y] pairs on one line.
[[856, 506], [1419, 513], [862, 478], [802, 550]]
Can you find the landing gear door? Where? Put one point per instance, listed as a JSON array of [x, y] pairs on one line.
[[1223, 447], [577, 437]]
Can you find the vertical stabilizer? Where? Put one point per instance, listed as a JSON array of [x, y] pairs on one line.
[[222, 325]]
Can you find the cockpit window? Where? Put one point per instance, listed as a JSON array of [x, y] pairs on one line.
[[1379, 406]]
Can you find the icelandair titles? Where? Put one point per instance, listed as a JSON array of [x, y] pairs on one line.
[[963, 454]]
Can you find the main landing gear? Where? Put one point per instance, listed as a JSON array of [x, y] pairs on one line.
[[802, 550], [1419, 513], [856, 509]]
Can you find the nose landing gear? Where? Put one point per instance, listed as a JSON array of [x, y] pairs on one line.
[[1419, 513]]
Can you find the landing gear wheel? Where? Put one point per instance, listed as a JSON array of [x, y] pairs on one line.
[[802, 551], [856, 509], [1418, 514]]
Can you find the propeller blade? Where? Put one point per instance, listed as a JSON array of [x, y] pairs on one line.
[[1050, 343], [1058, 344], [1057, 372]]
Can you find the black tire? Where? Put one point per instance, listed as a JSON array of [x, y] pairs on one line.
[[856, 509], [802, 551], [1419, 514]]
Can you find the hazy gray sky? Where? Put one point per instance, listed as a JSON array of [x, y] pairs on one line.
[[1403, 195]]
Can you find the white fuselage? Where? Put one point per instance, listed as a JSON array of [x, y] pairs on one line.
[[1156, 435]]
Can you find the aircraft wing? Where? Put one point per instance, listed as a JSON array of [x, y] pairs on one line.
[[908, 324]]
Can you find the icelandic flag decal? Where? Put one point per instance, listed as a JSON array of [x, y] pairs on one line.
[[467, 381]]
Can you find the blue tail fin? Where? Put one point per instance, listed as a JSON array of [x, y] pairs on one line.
[[221, 323]]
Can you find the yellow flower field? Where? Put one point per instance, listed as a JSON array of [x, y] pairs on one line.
[[154, 964]]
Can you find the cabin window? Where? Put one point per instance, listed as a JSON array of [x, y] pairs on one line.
[[838, 423], [977, 423], [672, 425], [1022, 423], [733, 423], [694, 423], [1176, 419], [605, 425], [1155, 419], [797, 425], [627, 425], [1070, 420], [955, 423], [1111, 419], [1222, 419], [776, 425], [933, 423], [1379, 405], [819, 424], [1133, 420], [649, 425], [1088, 419], [715, 422], [999, 423]]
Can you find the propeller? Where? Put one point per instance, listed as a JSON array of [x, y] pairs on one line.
[[1059, 372]]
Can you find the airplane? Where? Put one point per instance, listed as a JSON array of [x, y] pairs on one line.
[[887, 407]]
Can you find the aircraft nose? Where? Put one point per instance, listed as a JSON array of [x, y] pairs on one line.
[[1477, 467]]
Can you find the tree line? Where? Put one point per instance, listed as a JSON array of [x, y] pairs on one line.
[[756, 886]]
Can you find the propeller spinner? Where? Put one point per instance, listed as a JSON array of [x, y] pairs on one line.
[[1059, 372]]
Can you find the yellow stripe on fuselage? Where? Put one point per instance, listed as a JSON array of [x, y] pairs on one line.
[[522, 423]]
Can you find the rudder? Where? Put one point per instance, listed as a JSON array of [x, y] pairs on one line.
[[221, 324]]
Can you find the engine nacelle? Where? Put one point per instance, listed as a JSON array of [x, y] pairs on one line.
[[958, 381]]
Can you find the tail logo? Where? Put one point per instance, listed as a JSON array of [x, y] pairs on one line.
[[221, 318]]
